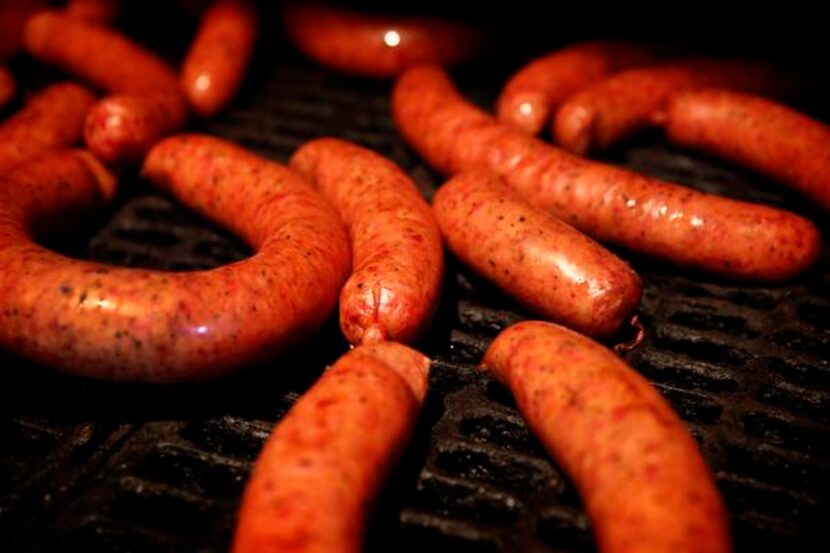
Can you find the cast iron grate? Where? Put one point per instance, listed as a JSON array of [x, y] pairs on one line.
[[104, 467]]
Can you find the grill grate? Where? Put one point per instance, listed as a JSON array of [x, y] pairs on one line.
[[108, 467]]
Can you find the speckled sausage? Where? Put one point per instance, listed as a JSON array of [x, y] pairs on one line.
[[532, 95], [147, 104], [52, 119], [219, 56], [664, 220], [7, 86], [641, 477], [620, 105], [120, 323], [759, 134], [316, 478], [397, 255], [93, 11], [544, 263], [373, 45]]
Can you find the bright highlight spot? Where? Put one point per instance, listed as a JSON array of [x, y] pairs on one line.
[[392, 38], [525, 108], [203, 82]]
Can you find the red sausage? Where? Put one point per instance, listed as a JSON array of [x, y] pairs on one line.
[[397, 255], [93, 11], [148, 103], [316, 478], [7, 86], [120, 323], [762, 135], [664, 220], [618, 106], [545, 264], [533, 94], [643, 481], [373, 45], [220, 54], [52, 119]]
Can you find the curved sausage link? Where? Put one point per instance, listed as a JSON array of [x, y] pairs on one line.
[[7, 86], [661, 219], [326, 460], [398, 258], [93, 11], [760, 134], [120, 323], [221, 51], [532, 95], [54, 118], [373, 45], [544, 263], [147, 104], [620, 105], [643, 481]]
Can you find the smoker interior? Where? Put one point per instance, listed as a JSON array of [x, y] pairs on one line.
[[95, 466]]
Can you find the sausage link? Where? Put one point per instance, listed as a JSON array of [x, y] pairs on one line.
[[764, 136], [619, 106], [641, 477], [372, 45], [544, 263], [661, 219], [221, 51], [148, 103], [7, 86], [397, 256], [532, 95], [93, 11], [316, 478], [52, 119], [120, 323]]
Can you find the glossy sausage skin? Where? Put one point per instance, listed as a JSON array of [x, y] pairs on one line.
[[147, 104], [372, 45], [93, 11], [661, 219], [52, 119], [320, 470], [532, 95], [762, 135], [119, 323], [643, 481], [219, 56], [397, 256], [544, 263], [614, 108], [7, 86]]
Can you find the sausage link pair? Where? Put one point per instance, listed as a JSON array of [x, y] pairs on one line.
[[93, 11], [221, 51], [641, 477], [764, 136], [147, 104], [52, 119], [532, 95], [618, 106], [373, 45], [320, 470], [120, 323], [397, 255], [547, 265], [664, 220], [7, 86]]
